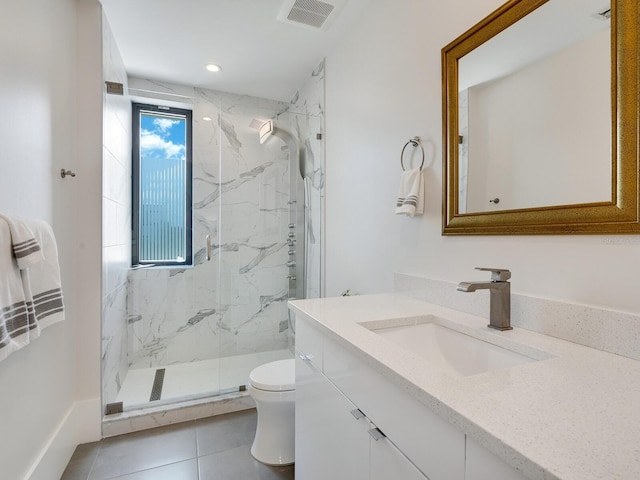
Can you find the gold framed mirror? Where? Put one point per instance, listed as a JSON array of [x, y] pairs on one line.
[[614, 207]]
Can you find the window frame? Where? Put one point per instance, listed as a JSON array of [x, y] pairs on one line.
[[137, 110]]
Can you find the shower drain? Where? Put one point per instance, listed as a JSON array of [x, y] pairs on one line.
[[156, 390]]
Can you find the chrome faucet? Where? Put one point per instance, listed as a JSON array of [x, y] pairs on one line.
[[500, 300]]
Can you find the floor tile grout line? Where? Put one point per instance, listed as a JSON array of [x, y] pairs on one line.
[[95, 459], [152, 468], [191, 457], [195, 428]]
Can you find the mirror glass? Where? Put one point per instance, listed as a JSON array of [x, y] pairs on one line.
[[540, 118], [535, 111]]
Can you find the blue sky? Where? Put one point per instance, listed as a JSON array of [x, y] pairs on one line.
[[162, 137]]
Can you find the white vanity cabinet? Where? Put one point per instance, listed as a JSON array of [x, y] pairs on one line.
[[484, 465], [332, 382], [330, 442], [334, 437], [432, 444], [389, 463]]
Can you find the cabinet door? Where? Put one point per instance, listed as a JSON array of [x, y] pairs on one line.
[[330, 442], [431, 442], [309, 341], [387, 462], [483, 465]]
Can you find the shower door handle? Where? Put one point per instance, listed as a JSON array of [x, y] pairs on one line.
[[208, 238]]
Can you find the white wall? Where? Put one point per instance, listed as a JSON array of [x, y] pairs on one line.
[[38, 138], [383, 87]]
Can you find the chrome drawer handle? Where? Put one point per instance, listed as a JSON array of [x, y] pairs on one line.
[[357, 414], [376, 434], [305, 358]]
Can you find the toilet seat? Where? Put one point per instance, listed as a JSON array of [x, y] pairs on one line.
[[278, 376]]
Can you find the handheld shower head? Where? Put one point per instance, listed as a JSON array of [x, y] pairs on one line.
[[265, 131], [298, 155]]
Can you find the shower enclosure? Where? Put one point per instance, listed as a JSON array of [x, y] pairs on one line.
[[196, 332]]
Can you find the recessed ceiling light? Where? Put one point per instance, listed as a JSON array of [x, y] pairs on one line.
[[206, 119], [212, 67]]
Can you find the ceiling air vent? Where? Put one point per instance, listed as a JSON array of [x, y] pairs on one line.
[[309, 13]]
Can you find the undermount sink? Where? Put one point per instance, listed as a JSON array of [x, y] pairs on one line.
[[448, 345]]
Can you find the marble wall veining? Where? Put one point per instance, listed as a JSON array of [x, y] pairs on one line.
[[116, 218], [235, 303]]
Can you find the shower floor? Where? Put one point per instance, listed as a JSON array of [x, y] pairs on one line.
[[193, 379]]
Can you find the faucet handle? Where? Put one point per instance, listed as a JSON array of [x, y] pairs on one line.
[[497, 274]]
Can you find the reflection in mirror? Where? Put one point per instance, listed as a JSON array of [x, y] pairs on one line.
[[540, 120], [535, 111]]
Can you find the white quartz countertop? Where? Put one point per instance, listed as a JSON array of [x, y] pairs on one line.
[[575, 415]]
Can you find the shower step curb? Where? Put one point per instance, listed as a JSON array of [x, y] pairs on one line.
[[161, 415]]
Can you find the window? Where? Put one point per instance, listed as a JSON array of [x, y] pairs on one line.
[[162, 180]]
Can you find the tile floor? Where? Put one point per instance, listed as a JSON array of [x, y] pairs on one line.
[[214, 448]]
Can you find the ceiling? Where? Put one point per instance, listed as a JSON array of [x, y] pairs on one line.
[[173, 40]]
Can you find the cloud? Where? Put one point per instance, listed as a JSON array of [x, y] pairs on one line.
[[164, 124], [154, 145]]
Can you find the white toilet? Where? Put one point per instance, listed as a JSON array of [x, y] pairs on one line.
[[272, 387]]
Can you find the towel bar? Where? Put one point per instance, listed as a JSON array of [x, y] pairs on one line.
[[415, 141]]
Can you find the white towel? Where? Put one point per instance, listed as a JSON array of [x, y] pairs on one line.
[[411, 194], [30, 298], [15, 317], [26, 248], [44, 277]]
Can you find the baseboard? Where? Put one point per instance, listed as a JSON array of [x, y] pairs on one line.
[[81, 424]]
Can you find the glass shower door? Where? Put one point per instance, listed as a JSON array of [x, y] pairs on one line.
[[172, 336], [254, 213]]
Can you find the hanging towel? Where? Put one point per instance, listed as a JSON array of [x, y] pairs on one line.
[[30, 298], [44, 278], [411, 194], [26, 248], [17, 318]]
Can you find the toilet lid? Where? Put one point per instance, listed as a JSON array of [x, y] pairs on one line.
[[276, 376]]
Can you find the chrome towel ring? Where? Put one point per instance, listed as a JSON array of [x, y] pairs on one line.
[[415, 141]]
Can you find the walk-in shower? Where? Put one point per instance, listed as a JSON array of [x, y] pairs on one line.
[[195, 332]]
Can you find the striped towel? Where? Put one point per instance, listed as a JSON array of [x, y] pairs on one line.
[[26, 248], [411, 194], [30, 298]]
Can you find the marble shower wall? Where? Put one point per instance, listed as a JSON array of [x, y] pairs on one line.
[[116, 219], [236, 302]]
